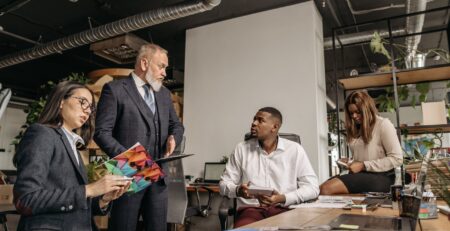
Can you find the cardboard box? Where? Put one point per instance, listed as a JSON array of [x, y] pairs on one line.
[[6, 194], [101, 222], [434, 113]]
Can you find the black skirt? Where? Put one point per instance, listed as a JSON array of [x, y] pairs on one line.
[[362, 182]]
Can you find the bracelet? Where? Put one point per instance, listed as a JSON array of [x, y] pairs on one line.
[[237, 190]]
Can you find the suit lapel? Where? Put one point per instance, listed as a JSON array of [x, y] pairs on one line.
[[82, 169], [69, 151], [158, 99], [132, 91]]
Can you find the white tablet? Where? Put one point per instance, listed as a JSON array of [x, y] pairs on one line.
[[255, 190]]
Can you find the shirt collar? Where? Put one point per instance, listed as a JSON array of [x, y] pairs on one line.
[[139, 82], [73, 137], [280, 144]]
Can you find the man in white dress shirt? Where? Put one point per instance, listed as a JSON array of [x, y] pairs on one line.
[[267, 160]]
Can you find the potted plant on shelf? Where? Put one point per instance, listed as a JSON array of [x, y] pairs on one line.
[[377, 46]]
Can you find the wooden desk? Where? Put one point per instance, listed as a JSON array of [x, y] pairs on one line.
[[320, 216], [214, 188]]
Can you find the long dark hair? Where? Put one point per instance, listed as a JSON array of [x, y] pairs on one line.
[[369, 112], [51, 114]]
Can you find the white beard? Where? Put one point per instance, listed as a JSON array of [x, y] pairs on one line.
[[156, 85]]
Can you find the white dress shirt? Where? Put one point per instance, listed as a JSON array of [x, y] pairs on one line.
[[73, 140], [287, 170], [140, 86]]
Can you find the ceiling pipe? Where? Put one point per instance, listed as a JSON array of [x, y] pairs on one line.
[[3, 31], [359, 37], [359, 12], [109, 30], [414, 24]]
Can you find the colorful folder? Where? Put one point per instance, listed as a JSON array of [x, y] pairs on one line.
[[136, 163]]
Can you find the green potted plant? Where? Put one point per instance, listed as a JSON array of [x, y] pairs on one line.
[[35, 108], [377, 46]]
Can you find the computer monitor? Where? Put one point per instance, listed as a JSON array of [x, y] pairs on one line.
[[213, 171]]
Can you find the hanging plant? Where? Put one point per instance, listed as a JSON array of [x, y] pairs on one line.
[[377, 46]]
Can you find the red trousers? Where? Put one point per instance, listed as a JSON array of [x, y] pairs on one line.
[[247, 215]]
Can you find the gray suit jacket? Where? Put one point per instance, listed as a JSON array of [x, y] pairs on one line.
[[49, 192], [123, 118]]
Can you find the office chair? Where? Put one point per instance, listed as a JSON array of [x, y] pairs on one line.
[[228, 207]]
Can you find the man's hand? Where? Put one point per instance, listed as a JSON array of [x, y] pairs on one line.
[[170, 145], [242, 191], [275, 198], [356, 166]]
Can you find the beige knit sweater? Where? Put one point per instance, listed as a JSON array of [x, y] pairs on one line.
[[383, 152]]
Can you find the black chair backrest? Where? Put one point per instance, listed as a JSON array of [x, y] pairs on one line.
[[289, 136]]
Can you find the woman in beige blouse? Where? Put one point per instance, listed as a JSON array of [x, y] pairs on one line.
[[375, 148]]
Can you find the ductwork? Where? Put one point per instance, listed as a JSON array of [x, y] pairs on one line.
[[109, 30], [358, 37], [414, 24]]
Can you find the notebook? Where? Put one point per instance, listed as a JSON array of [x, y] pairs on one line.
[[407, 220], [212, 173]]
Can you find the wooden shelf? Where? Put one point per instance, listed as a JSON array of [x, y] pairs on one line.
[[423, 129], [404, 77]]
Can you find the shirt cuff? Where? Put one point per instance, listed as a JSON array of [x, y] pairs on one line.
[[291, 198], [235, 190], [366, 164]]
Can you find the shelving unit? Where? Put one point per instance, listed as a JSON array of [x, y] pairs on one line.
[[410, 76], [423, 129], [394, 78]]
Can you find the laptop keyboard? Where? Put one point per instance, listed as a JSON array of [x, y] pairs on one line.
[[383, 223], [369, 222]]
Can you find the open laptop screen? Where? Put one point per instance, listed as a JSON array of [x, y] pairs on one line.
[[213, 171]]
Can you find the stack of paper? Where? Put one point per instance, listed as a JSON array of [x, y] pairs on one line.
[[329, 202]]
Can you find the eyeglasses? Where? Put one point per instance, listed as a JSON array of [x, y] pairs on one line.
[[85, 103]]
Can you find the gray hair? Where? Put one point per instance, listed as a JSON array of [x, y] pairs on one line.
[[148, 50]]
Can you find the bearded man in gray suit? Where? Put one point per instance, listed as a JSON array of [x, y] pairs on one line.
[[139, 109]]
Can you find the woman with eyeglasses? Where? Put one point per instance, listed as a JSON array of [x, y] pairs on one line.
[[52, 190], [375, 148]]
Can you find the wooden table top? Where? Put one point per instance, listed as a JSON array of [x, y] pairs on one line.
[[214, 188], [319, 216]]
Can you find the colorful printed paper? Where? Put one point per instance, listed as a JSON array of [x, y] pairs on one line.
[[136, 163]]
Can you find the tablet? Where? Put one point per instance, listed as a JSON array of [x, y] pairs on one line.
[[255, 190]]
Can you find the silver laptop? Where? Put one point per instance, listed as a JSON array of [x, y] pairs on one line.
[[211, 173]]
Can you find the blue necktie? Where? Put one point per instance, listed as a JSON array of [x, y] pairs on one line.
[[148, 98]]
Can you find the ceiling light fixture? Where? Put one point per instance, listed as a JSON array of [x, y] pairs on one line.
[[121, 50]]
